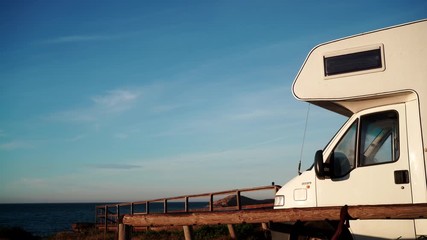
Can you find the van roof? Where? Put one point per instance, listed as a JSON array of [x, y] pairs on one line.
[[340, 74]]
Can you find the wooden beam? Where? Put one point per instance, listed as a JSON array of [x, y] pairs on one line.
[[402, 211]]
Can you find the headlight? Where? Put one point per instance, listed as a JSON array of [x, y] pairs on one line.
[[279, 201]]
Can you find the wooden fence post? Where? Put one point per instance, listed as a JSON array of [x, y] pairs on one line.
[[264, 226], [121, 232], [188, 232], [238, 201], [231, 231], [267, 233], [106, 219], [211, 203]]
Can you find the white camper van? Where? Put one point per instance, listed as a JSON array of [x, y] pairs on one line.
[[379, 81]]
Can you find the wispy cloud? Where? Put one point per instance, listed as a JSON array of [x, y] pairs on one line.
[[80, 38], [116, 100], [255, 114], [33, 182], [114, 166], [252, 164], [121, 136], [112, 102], [74, 115], [165, 108], [16, 144], [76, 138]]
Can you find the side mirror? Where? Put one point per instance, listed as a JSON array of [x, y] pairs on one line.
[[318, 164]]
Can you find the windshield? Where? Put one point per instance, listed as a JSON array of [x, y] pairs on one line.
[[329, 142]]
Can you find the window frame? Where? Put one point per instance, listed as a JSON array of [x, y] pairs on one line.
[[352, 51], [332, 153], [397, 133], [358, 143]]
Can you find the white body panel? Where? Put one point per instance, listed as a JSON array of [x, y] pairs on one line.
[[305, 182], [421, 227], [389, 229]]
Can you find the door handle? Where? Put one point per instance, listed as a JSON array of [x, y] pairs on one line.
[[401, 176]]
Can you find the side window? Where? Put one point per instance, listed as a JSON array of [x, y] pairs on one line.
[[374, 140], [343, 157], [379, 138]]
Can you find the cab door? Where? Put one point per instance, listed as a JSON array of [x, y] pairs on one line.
[[368, 161]]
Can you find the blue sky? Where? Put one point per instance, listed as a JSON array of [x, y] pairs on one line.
[[123, 101]]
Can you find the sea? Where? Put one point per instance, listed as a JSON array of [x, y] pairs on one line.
[[45, 219]]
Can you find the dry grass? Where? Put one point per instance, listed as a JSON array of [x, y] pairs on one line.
[[218, 232]]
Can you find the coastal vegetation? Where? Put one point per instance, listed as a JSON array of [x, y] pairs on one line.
[[217, 232], [16, 233]]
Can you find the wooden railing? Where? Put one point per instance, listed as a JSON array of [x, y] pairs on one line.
[[277, 219], [235, 209], [108, 216]]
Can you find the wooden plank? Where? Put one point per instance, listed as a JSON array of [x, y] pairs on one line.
[[403, 211]]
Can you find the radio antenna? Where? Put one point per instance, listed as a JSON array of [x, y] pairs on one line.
[[303, 139]]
